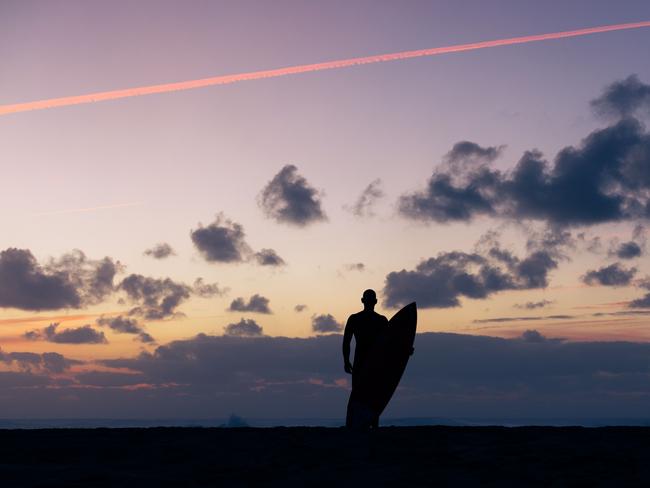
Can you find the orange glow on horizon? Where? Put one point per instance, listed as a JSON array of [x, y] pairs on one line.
[[305, 68]]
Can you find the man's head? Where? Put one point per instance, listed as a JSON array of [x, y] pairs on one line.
[[369, 299]]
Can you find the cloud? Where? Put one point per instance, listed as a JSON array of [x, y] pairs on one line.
[[325, 323], [207, 290], [222, 241], [612, 275], [93, 279], [533, 305], [77, 335], [355, 267], [156, 298], [72, 281], [439, 282], [532, 335], [364, 206], [605, 178], [268, 257], [450, 375], [125, 325], [462, 186], [631, 249], [467, 152], [623, 98], [49, 362], [522, 319], [288, 198], [244, 328], [643, 302], [160, 251], [300, 307], [256, 303], [628, 250]]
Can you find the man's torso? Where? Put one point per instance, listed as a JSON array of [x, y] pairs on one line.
[[366, 328]]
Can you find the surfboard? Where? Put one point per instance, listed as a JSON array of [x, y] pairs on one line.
[[384, 367]]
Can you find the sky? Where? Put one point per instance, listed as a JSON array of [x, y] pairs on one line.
[[196, 253]]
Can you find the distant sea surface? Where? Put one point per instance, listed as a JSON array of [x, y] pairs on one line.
[[236, 421]]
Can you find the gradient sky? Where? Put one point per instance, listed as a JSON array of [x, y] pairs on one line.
[[116, 178]]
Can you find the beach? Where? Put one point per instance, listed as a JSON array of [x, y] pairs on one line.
[[317, 456]]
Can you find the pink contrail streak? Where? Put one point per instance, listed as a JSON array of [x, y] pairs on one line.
[[304, 68]]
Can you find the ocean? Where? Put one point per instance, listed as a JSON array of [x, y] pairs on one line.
[[237, 421]]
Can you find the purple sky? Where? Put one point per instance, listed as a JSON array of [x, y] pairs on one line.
[[116, 178]]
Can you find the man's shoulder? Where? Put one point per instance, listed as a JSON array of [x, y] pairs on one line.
[[381, 317], [368, 316]]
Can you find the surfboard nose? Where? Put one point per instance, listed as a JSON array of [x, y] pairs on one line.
[[411, 309]]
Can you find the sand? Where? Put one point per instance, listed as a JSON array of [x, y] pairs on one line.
[[332, 457]]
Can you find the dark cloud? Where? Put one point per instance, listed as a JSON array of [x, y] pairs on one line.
[[207, 290], [244, 328], [93, 279], [108, 379], [120, 324], [355, 267], [146, 338], [621, 312], [160, 251], [300, 307], [631, 249], [605, 178], [623, 98], [156, 298], [628, 250], [72, 281], [469, 152], [533, 305], [447, 200], [440, 282], [462, 186], [222, 241], [125, 325], [643, 302], [288, 198], [364, 206], [325, 323], [268, 257], [256, 303], [449, 374], [522, 319], [532, 335], [612, 275], [77, 335], [47, 362]]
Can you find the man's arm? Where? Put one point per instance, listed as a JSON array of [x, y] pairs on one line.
[[347, 338]]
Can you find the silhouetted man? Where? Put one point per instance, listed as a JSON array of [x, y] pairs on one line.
[[366, 326]]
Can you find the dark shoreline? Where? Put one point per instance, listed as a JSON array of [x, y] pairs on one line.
[[319, 456]]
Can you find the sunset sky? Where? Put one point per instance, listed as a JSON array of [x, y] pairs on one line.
[[174, 249]]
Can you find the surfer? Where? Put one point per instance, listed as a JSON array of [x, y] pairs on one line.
[[365, 326]]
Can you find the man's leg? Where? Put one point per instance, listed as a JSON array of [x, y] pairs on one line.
[[350, 413]]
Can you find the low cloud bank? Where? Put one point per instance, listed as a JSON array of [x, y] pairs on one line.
[[449, 375]]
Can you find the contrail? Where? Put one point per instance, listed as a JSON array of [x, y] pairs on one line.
[[87, 209], [304, 68]]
